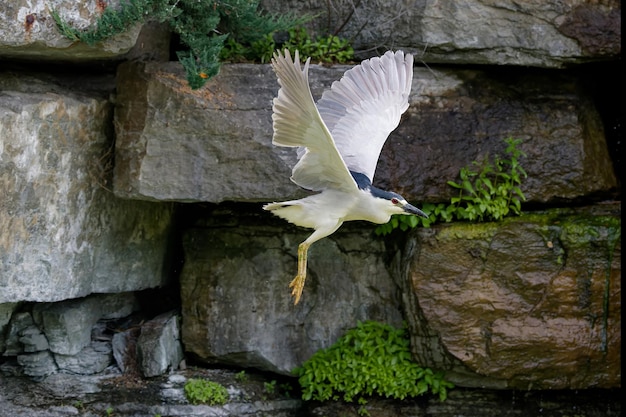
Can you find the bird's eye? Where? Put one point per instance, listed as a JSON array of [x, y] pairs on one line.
[[394, 201]]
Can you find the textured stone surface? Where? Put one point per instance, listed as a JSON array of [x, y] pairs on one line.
[[92, 359], [28, 30], [533, 302], [68, 324], [62, 234], [19, 322], [159, 348], [237, 307], [63, 395], [70, 335], [6, 311], [530, 33], [215, 143], [464, 116], [38, 364]]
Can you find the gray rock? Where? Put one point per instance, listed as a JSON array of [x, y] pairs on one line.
[[529, 33], [209, 141], [62, 234], [159, 348], [68, 324], [19, 322], [236, 303], [6, 310], [92, 359], [215, 143], [124, 345], [532, 302], [33, 340], [462, 116], [28, 30], [38, 364]]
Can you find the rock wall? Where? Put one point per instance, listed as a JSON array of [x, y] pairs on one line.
[[131, 229]]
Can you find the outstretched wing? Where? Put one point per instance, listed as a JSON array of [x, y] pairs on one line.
[[297, 123], [362, 108]]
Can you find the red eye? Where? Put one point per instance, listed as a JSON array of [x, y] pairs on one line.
[[394, 201]]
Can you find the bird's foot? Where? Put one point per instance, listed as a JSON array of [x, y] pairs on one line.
[[298, 285]]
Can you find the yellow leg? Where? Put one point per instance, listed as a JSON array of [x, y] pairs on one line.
[[298, 282]]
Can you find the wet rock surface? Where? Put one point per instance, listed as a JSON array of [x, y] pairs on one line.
[[530, 302], [64, 395]]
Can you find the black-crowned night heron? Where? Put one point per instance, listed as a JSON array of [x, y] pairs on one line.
[[339, 143]]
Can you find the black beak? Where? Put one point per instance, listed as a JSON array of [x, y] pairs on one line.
[[414, 210]]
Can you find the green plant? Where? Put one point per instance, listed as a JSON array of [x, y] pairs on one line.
[[109, 411], [495, 190], [241, 376], [490, 192], [203, 26], [202, 391], [270, 387], [371, 359], [330, 48]]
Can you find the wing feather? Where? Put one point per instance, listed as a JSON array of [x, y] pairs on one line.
[[365, 106], [297, 123]]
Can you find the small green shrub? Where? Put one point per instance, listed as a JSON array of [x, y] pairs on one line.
[[371, 359], [489, 193], [328, 49], [203, 27], [202, 391], [241, 377]]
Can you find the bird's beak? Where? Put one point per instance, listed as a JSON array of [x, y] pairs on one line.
[[414, 210]]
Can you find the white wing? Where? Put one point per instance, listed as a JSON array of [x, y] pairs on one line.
[[297, 123], [362, 108]]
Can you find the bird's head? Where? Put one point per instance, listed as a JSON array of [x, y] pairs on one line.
[[379, 205], [389, 203], [398, 205]]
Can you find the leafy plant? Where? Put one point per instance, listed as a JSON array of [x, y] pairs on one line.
[[490, 192], [202, 391], [203, 26], [495, 190], [330, 48], [270, 387], [241, 377], [371, 359]]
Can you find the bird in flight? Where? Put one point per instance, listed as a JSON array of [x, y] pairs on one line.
[[339, 141]]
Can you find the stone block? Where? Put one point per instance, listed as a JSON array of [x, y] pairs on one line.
[[39, 364], [92, 359], [159, 347], [530, 33], [28, 31], [18, 323], [68, 324], [62, 233], [33, 340], [6, 311], [237, 307], [215, 142], [532, 302]]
